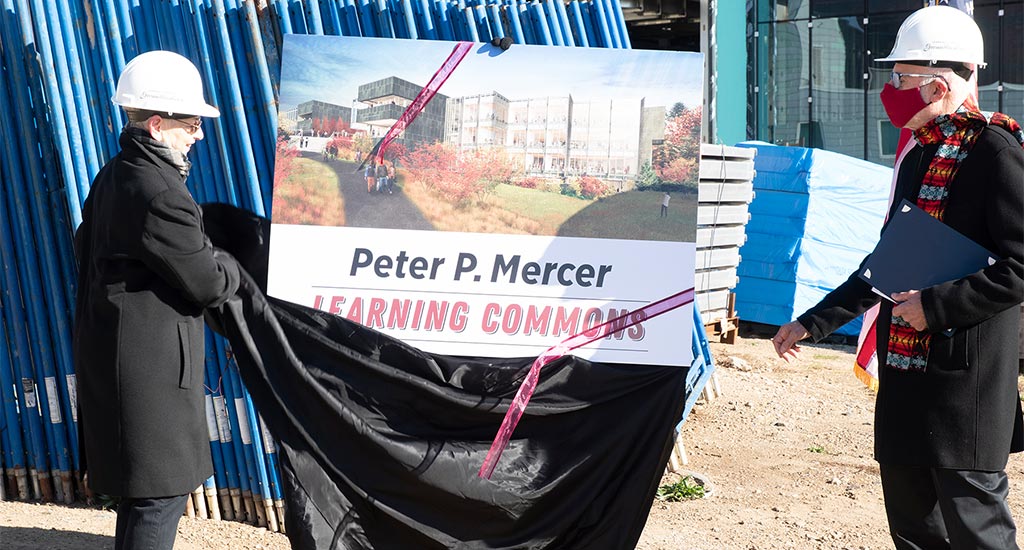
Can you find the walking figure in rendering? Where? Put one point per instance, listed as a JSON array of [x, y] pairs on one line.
[[382, 177], [664, 204], [391, 178], [371, 176]]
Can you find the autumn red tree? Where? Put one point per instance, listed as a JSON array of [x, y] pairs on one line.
[[284, 160], [336, 125], [675, 160], [530, 182], [340, 142], [396, 150], [497, 166], [680, 170], [460, 177], [591, 187]]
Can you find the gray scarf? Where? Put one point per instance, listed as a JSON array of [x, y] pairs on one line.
[[176, 159]]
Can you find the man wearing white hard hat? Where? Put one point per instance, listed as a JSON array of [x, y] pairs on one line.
[[948, 412], [146, 272]]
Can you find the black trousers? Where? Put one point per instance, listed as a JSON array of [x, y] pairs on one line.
[[935, 508], [148, 523]]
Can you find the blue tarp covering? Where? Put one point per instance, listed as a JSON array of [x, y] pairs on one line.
[[814, 217]]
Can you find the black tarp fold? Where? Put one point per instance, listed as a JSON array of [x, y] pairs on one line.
[[380, 442]]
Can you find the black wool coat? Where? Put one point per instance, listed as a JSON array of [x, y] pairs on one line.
[[962, 412], [146, 273]]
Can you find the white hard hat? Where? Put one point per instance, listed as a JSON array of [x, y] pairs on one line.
[[938, 33], [164, 82]]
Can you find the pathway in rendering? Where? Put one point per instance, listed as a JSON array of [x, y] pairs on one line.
[[364, 209]]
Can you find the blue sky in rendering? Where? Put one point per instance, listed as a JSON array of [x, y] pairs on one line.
[[331, 68]]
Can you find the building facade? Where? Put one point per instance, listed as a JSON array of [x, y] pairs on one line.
[[559, 136], [480, 120], [308, 112], [811, 79], [383, 102]]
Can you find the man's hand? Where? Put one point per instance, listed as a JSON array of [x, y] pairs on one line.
[[785, 340], [908, 306]]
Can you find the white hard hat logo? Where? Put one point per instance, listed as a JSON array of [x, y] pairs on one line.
[[164, 82], [151, 94], [940, 46]]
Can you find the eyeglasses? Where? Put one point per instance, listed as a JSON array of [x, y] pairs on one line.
[[190, 127], [896, 79]]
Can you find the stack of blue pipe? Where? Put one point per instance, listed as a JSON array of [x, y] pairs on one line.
[[58, 68]]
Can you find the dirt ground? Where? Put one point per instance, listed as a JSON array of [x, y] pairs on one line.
[[786, 450]]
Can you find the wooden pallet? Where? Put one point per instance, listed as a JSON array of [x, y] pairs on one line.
[[724, 329]]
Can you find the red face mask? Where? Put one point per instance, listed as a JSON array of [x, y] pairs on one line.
[[901, 105]]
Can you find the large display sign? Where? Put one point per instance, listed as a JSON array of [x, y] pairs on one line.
[[474, 201]]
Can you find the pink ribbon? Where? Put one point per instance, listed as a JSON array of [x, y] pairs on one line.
[[426, 94], [526, 389]]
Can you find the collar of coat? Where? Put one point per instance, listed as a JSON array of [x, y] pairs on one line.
[[140, 138]]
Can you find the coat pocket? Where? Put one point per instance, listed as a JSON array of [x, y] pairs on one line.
[[185, 377], [957, 352]]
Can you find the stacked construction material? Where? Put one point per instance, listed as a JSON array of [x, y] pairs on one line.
[[816, 215], [725, 191]]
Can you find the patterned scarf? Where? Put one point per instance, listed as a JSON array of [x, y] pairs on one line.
[[956, 134]]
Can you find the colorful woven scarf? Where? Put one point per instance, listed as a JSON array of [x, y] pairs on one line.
[[956, 134]]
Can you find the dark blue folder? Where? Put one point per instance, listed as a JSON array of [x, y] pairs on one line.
[[918, 251]]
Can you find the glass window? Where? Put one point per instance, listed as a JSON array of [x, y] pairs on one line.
[[877, 7], [786, 81], [753, 63], [783, 81], [880, 36], [1012, 60], [784, 10], [786, 63], [821, 9], [837, 77], [987, 19], [888, 138]]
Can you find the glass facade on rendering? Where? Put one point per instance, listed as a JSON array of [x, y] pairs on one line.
[[382, 102], [560, 136], [812, 82], [320, 111]]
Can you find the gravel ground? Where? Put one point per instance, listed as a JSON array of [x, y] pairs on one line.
[[785, 448]]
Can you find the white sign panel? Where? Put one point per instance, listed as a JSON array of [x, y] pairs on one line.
[[471, 201]]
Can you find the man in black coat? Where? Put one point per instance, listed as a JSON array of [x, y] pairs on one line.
[[146, 273], [948, 412]]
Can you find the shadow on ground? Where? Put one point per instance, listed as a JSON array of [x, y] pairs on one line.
[[636, 215], [31, 538]]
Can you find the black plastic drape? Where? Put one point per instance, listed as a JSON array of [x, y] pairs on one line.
[[381, 442]]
